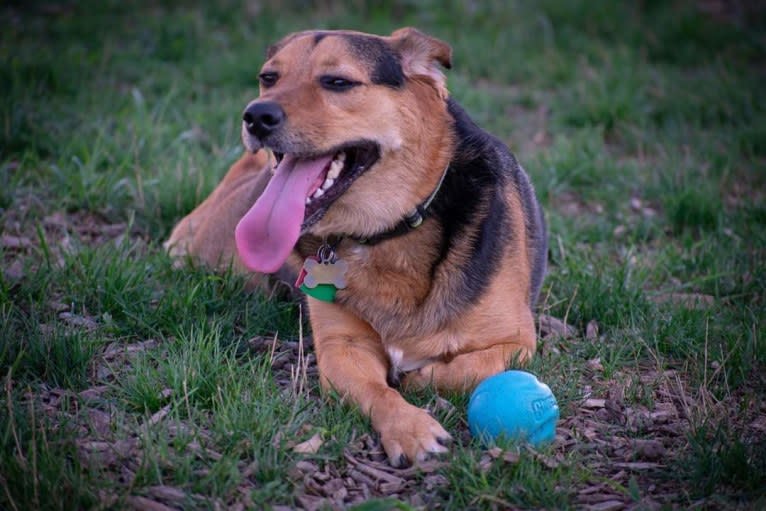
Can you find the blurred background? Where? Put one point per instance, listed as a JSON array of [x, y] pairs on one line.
[[135, 106]]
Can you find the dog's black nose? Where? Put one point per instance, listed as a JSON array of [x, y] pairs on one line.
[[263, 118]]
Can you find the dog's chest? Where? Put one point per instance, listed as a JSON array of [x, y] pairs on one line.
[[414, 353], [402, 362], [384, 284]]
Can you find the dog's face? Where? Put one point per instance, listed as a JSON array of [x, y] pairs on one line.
[[344, 113]]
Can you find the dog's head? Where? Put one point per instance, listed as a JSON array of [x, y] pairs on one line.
[[360, 130]]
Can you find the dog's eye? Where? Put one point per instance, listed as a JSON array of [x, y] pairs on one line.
[[336, 83], [268, 79]]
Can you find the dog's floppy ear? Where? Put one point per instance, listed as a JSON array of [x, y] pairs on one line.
[[422, 55]]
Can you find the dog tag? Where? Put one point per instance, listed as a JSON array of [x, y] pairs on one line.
[[322, 275]]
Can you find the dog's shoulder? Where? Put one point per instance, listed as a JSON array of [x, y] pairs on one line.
[[491, 187]]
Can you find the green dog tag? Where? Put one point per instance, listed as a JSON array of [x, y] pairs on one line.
[[324, 292]]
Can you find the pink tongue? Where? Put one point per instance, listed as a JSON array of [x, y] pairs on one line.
[[268, 232]]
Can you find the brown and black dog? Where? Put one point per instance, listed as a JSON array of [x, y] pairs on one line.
[[431, 229]]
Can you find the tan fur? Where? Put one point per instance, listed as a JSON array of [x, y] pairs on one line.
[[395, 311]]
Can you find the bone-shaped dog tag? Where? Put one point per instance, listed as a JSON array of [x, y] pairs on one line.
[[325, 272], [323, 275]]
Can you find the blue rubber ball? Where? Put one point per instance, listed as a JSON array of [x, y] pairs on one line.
[[513, 404]]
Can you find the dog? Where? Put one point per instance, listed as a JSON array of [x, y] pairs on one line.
[[417, 237]]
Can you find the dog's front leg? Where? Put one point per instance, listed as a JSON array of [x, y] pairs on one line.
[[463, 372], [352, 362]]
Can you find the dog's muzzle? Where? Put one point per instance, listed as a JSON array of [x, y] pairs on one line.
[[262, 118]]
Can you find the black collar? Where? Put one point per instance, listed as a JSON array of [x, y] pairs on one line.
[[411, 221]]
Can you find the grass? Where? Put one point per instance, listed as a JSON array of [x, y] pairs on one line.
[[642, 126]]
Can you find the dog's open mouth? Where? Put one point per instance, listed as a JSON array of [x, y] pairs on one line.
[[300, 192], [340, 168]]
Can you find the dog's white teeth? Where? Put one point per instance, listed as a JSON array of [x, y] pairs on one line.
[[332, 174], [335, 167]]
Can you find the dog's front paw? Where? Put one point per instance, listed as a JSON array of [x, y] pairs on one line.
[[409, 434]]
